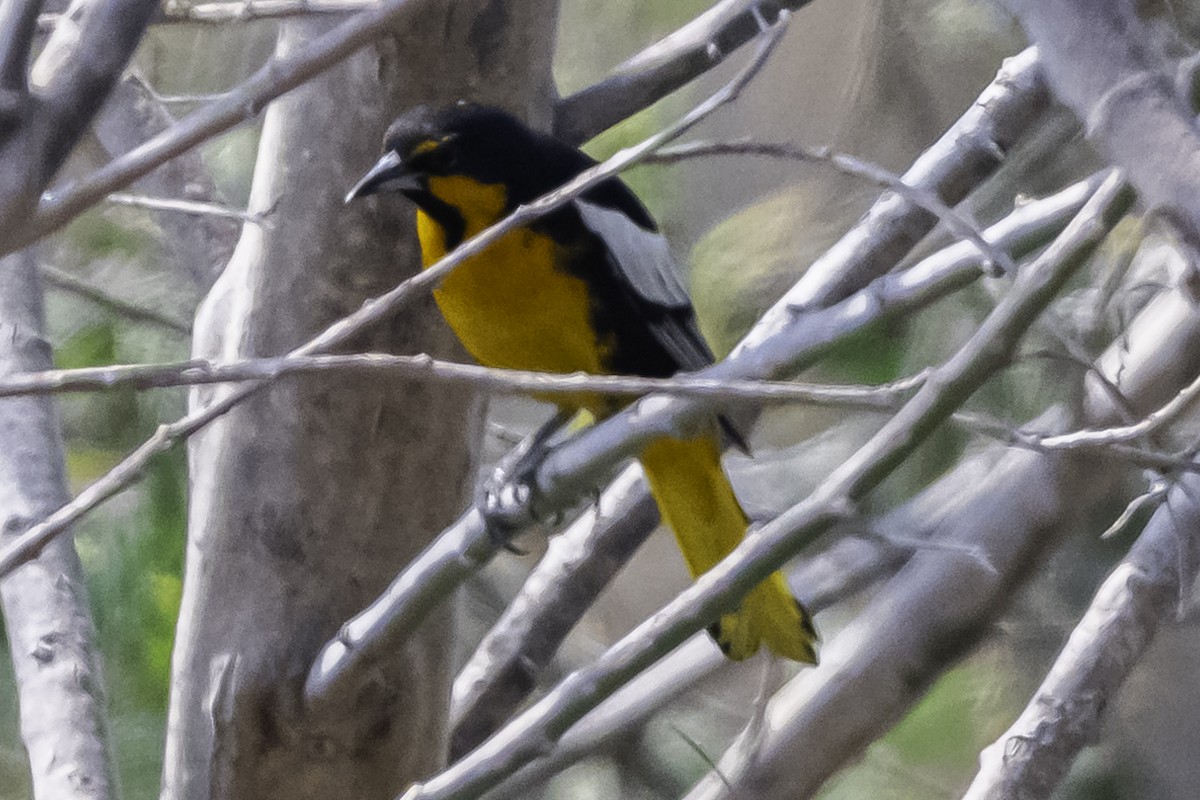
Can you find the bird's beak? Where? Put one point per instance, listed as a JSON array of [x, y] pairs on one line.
[[389, 174]]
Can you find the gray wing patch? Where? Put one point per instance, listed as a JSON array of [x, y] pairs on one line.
[[642, 257]]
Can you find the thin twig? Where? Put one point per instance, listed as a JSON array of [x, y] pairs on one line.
[[67, 282], [1146, 426], [755, 558], [238, 11], [424, 367], [192, 207]]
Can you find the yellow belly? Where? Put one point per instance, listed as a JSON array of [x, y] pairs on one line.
[[511, 308]]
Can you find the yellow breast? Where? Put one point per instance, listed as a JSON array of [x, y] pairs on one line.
[[510, 306]]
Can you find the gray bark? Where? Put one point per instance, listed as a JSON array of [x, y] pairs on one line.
[[46, 612], [306, 499]]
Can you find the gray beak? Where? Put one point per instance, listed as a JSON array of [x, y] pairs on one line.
[[388, 175]]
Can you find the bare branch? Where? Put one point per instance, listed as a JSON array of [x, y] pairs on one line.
[[578, 564], [1144, 427], [909, 633], [69, 283], [424, 367], [756, 557], [17, 22], [1065, 714], [46, 611], [260, 9], [223, 12], [824, 580], [1103, 63], [109, 32], [666, 65], [192, 207]]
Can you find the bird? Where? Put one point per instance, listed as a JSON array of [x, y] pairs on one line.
[[589, 287]]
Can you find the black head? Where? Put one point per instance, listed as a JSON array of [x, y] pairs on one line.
[[465, 139]]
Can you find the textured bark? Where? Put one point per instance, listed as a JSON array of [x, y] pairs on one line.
[[46, 613], [307, 499]]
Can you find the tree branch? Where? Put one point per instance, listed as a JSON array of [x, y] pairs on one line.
[[223, 12], [1065, 714], [956, 222], [1103, 63], [910, 633], [666, 65], [201, 372], [109, 32], [46, 612], [18, 20]]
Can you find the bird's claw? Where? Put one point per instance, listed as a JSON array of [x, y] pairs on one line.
[[503, 502]]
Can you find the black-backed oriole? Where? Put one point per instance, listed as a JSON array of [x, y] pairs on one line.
[[589, 287]]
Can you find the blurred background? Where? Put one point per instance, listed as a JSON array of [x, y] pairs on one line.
[[880, 80]]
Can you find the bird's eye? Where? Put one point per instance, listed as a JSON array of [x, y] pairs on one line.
[[434, 155]]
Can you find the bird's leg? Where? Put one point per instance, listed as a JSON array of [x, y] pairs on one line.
[[507, 491]]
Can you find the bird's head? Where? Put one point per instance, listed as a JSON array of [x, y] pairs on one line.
[[462, 140]]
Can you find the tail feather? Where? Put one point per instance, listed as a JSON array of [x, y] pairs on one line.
[[699, 505]]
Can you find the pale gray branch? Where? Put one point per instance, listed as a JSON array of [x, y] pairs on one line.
[[666, 65], [227, 11], [1103, 63], [1064, 716], [385, 366], [46, 613], [190, 207], [910, 633]]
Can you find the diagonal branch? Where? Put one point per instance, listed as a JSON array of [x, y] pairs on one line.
[[18, 20], [666, 65], [1103, 63], [1065, 714], [67, 282], [757, 556], [108, 34]]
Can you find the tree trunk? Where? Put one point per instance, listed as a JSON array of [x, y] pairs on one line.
[[306, 499]]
